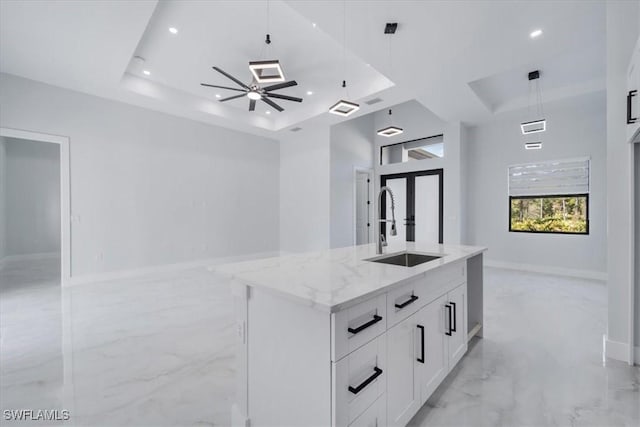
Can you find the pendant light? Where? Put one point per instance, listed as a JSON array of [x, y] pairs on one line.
[[342, 107], [390, 130], [539, 124], [268, 71]]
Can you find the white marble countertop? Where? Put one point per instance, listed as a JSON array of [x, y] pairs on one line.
[[333, 279]]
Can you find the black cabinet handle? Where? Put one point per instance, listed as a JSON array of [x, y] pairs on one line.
[[376, 374], [421, 358], [455, 315], [361, 328], [449, 307], [630, 120], [411, 299]]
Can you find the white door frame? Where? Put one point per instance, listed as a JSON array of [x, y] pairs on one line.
[[369, 172], [65, 191]]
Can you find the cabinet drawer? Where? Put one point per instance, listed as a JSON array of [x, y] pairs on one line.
[[405, 300], [440, 281], [359, 380], [357, 325], [374, 416]]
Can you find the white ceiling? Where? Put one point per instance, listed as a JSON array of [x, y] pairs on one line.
[[465, 60]]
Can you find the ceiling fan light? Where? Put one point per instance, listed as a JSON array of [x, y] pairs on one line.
[[390, 131], [267, 71], [344, 108], [253, 95], [533, 127]]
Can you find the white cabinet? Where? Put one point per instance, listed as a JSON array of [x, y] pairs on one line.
[[633, 93], [421, 351], [433, 362], [456, 308], [403, 382]]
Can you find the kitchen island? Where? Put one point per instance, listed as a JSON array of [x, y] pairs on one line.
[[336, 338]]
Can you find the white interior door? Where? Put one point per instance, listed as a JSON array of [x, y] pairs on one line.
[[399, 188], [427, 209], [363, 207]]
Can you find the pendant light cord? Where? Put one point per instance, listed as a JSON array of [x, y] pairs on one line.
[[344, 46]]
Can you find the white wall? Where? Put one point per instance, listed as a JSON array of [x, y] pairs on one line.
[[575, 128], [419, 122], [622, 33], [2, 200], [32, 203], [637, 247], [351, 147], [148, 188], [304, 190]]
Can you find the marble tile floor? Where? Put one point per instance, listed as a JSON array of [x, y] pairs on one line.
[[159, 351]]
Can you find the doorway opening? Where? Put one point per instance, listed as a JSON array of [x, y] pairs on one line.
[[419, 205], [363, 206], [35, 207]]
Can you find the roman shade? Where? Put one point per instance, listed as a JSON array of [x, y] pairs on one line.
[[548, 178]]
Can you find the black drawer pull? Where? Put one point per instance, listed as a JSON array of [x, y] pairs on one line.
[[413, 298], [630, 120], [361, 328], [376, 374], [421, 358], [449, 307], [455, 315]]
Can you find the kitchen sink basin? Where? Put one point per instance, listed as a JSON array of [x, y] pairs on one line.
[[406, 259]]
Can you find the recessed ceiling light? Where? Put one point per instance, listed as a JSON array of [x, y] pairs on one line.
[[533, 145], [535, 33], [146, 72], [173, 30], [309, 92], [267, 112], [314, 24], [218, 95]]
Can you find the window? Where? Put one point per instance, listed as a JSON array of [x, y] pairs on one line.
[[418, 149], [550, 214], [550, 197]]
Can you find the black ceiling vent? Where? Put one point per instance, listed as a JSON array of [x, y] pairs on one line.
[[390, 28], [534, 75], [373, 101], [296, 129]]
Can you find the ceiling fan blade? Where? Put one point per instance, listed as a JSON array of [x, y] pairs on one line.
[[272, 104], [285, 97], [229, 76], [252, 105], [281, 85], [232, 97], [222, 87]]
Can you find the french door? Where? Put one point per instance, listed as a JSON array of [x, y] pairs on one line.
[[418, 206]]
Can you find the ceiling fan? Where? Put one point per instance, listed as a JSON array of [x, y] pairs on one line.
[[254, 92]]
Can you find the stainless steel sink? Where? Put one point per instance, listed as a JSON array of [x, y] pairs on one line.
[[405, 259]]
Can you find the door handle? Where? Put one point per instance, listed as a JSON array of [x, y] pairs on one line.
[[630, 120], [361, 328], [455, 315], [449, 307], [377, 372], [421, 358], [411, 299]]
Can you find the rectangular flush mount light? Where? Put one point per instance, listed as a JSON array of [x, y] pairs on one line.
[[344, 108], [390, 131], [533, 127], [267, 71], [533, 145]]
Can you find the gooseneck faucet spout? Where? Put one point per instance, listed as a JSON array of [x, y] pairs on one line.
[[392, 232]]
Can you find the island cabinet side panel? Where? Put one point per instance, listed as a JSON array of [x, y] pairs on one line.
[[289, 362], [475, 292]]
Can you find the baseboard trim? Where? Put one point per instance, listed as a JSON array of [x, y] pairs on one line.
[[546, 269], [88, 279], [618, 350], [29, 257]]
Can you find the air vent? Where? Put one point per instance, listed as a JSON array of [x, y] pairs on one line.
[[296, 129], [373, 101]]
